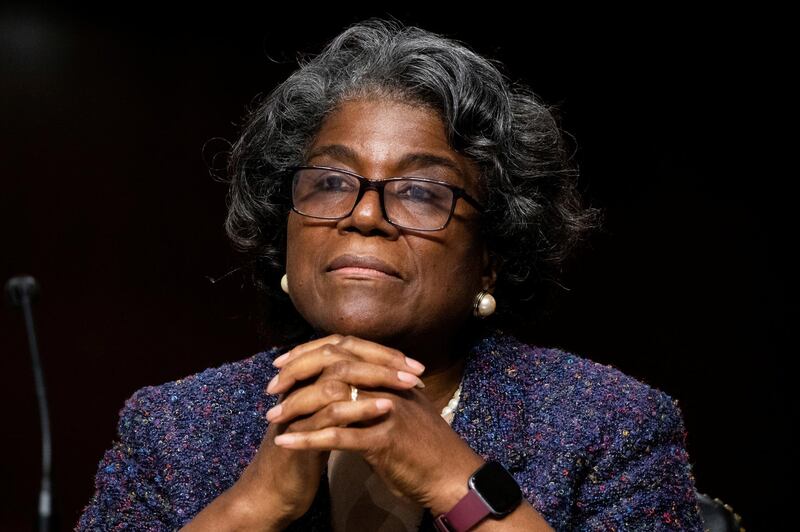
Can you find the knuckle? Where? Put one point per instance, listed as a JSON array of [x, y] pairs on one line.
[[340, 369], [346, 341], [332, 389], [337, 411], [328, 350], [334, 436]]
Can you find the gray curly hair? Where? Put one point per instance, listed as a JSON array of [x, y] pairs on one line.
[[534, 217]]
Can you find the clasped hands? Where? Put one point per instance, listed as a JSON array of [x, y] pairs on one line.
[[393, 425]]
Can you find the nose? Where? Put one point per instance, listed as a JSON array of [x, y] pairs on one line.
[[367, 217]]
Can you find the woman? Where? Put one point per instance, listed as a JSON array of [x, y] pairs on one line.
[[391, 186]]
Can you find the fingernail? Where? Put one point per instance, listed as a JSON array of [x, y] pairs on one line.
[[274, 412], [411, 363], [383, 405], [285, 439], [408, 377], [278, 361], [272, 384]]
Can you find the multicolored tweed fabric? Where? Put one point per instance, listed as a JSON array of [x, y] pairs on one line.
[[592, 448]]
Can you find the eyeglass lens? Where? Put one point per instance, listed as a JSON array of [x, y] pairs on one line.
[[408, 202]]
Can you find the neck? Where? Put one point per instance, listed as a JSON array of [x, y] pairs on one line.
[[444, 359], [442, 382]]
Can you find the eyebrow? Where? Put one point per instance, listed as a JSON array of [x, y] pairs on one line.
[[345, 153]]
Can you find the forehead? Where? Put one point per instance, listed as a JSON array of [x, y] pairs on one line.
[[386, 138]]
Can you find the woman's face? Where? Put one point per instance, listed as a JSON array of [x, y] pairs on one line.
[[433, 276]]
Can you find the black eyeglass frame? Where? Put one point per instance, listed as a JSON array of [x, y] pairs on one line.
[[365, 184]]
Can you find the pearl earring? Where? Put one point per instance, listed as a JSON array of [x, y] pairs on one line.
[[485, 304], [285, 283]]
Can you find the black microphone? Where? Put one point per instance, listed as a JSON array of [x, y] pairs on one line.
[[20, 292]]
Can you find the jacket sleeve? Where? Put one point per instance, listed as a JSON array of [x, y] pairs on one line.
[[643, 480], [128, 492]]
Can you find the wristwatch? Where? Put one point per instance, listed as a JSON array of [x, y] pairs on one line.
[[492, 490]]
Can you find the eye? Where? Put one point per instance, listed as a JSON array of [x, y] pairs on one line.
[[332, 182], [420, 192]]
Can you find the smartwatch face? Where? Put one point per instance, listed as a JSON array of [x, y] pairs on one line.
[[497, 487]]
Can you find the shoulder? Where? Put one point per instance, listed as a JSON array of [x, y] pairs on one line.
[[581, 435], [573, 387], [230, 387], [179, 444]]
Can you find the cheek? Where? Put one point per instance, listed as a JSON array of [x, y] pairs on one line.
[[451, 275], [291, 247], [299, 262]]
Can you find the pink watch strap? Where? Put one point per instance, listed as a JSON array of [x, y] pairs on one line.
[[468, 512]]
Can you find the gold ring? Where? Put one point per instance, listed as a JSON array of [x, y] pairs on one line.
[[353, 393]]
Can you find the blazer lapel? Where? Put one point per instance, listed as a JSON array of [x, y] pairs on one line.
[[491, 415]]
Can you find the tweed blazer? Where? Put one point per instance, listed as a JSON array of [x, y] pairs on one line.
[[592, 448]]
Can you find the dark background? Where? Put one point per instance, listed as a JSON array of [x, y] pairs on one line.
[[107, 121]]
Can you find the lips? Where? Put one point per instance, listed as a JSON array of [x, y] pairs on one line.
[[362, 262]]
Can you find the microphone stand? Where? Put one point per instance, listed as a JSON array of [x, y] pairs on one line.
[[20, 291]]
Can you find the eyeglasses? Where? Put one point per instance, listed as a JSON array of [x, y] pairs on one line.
[[415, 203]]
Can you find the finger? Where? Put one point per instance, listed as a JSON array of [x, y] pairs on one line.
[[368, 375], [311, 364], [329, 438], [335, 385], [304, 348], [304, 367], [309, 399], [343, 413], [341, 364], [368, 351], [380, 354]]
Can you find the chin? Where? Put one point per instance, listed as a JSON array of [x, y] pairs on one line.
[[367, 322]]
